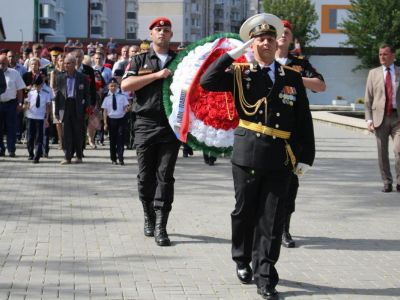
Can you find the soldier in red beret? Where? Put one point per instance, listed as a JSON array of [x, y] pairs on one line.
[[311, 80], [156, 144]]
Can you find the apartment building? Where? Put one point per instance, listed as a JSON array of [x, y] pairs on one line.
[[194, 19]]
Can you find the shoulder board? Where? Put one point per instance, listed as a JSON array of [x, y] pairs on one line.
[[300, 57], [46, 91], [291, 68]]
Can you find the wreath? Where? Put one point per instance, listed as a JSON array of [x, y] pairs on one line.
[[204, 120]]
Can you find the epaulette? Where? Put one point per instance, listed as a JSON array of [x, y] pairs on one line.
[[300, 57], [291, 68]]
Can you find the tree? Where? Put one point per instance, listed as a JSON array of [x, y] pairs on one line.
[[369, 24], [302, 15]]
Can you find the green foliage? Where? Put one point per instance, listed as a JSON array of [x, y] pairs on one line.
[[302, 15], [369, 24]]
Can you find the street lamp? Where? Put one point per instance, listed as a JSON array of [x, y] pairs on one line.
[[22, 35]]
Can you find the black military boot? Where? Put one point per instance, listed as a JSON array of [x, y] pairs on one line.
[[160, 232], [149, 218], [287, 240]]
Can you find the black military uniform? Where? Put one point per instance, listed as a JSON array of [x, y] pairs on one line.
[[156, 144], [275, 129], [303, 66]]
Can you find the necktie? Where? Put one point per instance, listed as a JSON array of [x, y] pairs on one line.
[[38, 100], [268, 80], [114, 103], [389, 93]]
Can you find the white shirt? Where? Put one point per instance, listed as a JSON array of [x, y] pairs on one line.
[[122, 102], [120, 65], [14, 83], [163, 57], [393, 75], [282, 60], [34, 112]]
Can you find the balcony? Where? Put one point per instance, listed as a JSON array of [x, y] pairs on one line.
[[96, 6], [46, 23]]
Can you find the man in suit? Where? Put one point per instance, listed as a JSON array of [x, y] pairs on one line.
[[72, 94], [382, 101], [274, 138]]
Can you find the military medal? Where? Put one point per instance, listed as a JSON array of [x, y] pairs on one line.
[[248, 85]]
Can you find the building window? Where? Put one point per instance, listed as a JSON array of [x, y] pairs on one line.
[[332, 16], [131, 15]]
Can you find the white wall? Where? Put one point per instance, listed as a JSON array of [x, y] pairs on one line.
[[339, 78], [76, 18], [23, 20], [116, 19]]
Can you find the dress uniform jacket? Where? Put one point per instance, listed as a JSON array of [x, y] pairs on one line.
[[286, 109], [303, 66], [151, 124]]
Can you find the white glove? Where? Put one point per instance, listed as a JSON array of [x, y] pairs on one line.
[[237, 52], [301, 169]]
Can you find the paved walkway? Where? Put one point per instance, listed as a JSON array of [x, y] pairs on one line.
[[75, 232]]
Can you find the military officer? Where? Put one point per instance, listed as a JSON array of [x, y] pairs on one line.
[[311, 80], [156, 144], [274, 136]]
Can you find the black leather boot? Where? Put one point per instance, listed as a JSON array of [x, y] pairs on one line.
[[287, 240], [149, 218], [160, 232]]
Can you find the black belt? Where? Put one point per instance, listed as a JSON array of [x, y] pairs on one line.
[[8, 101]]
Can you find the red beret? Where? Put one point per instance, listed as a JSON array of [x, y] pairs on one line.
[[287, 24], [161, 21]]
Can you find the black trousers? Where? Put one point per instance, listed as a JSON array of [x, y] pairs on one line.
[[35, 138], [156, 173], [292, 194], [257, 220], [117, 128], [73, 126]]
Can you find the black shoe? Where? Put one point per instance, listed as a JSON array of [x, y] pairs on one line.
[[287, 240], [114, 162], [387, 188], [46, 155], [398, 187], [121, 162], [149, 216], [244, 274], [160, 230], [30, 158], [185, 154], [36, 161], [2, 153], [268, 293], [11, 154]]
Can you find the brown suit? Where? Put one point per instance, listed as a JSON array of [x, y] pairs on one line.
[[385, 126]]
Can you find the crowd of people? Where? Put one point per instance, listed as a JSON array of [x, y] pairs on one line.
[[42, 72]]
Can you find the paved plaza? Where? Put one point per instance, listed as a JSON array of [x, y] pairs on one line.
[[75, 231]]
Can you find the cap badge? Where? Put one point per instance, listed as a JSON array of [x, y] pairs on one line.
[[264, 26], [162, 23]]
